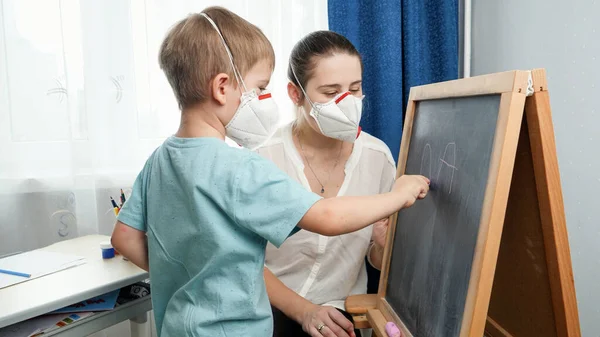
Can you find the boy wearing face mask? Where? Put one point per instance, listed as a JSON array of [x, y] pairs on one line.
[[201, 212]]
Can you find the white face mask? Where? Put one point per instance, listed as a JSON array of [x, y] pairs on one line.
[[255, 120], [338, 118], [257, 116]]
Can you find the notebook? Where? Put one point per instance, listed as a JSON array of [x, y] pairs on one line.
[[98, 303]]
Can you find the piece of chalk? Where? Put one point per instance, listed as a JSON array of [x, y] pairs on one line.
[[392, 330]]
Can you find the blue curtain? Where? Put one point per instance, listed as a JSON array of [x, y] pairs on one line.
[[404, 43]]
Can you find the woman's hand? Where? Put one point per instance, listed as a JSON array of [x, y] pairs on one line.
[[333, 322], [380, 232], [379, 236]]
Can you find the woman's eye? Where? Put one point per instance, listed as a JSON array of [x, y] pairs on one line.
[[354, 90], [333, 93]]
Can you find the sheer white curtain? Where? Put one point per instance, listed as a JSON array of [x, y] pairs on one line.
[[83, 103]]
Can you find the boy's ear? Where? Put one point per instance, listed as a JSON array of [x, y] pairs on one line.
[[294, 93], [219, 88]]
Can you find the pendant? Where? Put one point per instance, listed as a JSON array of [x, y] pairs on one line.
[[322, 190]]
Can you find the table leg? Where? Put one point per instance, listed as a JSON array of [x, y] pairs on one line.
[[139, 326]]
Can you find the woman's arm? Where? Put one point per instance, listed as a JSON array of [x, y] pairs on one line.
[[376, 255], [307, 314], [378, 239], [380, 228], [284, 298]]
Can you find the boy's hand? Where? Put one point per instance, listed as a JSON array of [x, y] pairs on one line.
[[411, 187]]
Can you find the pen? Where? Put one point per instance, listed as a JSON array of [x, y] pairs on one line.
[[122, 197], [10, 272]]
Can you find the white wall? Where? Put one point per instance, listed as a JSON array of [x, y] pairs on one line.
[[564, 38]]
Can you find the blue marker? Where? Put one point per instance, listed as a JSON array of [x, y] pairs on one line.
[[9, 272]]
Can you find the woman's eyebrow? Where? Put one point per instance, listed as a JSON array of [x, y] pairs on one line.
[[329, 86], [337, 86]]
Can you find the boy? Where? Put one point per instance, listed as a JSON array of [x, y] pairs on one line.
[[201, 212]]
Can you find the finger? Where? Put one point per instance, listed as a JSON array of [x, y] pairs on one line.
[[327, 332], [323, 318], [340, 320], [314, 333], [333, 330], [381, 224]]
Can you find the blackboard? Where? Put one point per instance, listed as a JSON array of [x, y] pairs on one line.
[[434, 245], [487, 251]]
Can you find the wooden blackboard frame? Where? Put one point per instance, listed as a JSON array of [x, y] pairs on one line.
[[374, 311]]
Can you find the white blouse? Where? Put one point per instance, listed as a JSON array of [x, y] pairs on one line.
[[326, 270]]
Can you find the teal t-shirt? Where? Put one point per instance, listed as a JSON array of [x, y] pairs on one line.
[[208, 211]]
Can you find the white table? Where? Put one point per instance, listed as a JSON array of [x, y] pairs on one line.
[[96, 277]]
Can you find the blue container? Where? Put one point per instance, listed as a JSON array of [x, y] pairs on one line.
[[108, 252]]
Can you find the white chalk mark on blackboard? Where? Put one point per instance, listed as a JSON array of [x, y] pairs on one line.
[[445, 162], [452, 166], [427, 147]]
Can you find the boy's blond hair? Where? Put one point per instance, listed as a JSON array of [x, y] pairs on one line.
[[192, 53]]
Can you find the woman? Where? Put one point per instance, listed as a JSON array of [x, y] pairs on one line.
[[310, 276]]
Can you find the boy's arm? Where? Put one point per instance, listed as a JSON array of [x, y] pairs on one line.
[[129, 235], [269, 203], [341, 215], [131, 243]]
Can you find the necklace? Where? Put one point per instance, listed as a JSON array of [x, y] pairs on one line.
[[337, 160]]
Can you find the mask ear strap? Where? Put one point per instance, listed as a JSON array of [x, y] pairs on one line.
[[236, 73], [300, 85]]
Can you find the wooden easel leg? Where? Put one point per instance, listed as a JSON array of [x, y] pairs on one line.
[[554, 226]]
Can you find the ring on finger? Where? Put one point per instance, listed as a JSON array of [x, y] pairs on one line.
[[320, 327]]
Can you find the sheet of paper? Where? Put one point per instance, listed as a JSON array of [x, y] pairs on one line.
[[36, 263]]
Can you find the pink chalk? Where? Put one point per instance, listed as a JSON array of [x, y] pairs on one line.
[[392, 330]]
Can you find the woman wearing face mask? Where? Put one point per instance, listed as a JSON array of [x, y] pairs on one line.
[[310, 276]]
